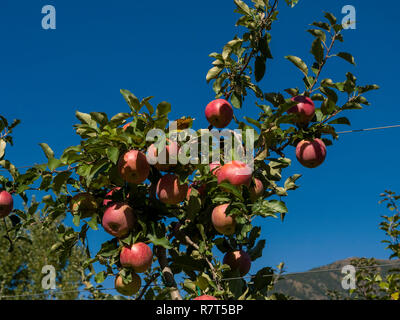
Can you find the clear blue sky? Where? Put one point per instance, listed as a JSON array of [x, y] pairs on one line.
[[161, 48]]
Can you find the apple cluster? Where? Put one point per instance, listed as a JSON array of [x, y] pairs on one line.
[[310, 153], [134, 167]]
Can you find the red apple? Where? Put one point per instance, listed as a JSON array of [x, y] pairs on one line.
[[311, 153], [169, 155], [133, 167], [238, 260], [305, 109], [205, 297], [118, 219], [138, 257], [236, 173], [219, 113], [128, 289], [169, 190], [222, 223], [215, 167], [257, 190], [108, 199], [6, 204], [84, 204]]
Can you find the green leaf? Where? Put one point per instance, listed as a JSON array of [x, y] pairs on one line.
[[60, 180], [163, 242], [231, 189], [367, 88], [322, 25], [331, 94], [100, 117], [113, 154], [254, 122], [98, 167], [76, 220], [100, 277], [332, 19], [92, 223], [146, 102], [291, 3], [131, 99], [243, 6], [259, 68], [346, 56], [318, 33], [54, 164], [163, 109], [298, 63], [236, 101], [264, 47], [119, 117], [3, 145], [290, 182], [213, 73], [342, 120], [86, 118], [47, 150], [317, 50], [256, 252], [263, 278]]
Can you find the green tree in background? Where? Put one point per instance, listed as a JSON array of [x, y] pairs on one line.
[[21, 263], [372, 282]]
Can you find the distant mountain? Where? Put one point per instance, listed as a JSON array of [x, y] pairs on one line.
[[314, 284]]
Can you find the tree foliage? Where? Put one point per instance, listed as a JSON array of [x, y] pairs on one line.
[[91, 167]]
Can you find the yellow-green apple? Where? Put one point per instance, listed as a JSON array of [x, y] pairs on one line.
[[304, 110], [223, 223], [118, 219], [133, 166], [6, 203], [256, 190], [205, 297], [170, 191], [165, 159], [84, 204], [219, 113], [311, 153], [237, 173], [138, 257], [238, 260], [128, 289]]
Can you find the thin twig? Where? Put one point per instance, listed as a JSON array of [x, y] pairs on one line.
[[161, 254], [148, 283], [213, 271]]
